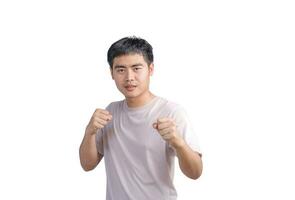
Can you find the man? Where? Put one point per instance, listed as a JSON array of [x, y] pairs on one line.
[[140, 136]]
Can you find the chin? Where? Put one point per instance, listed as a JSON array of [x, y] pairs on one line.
[[131, 95]]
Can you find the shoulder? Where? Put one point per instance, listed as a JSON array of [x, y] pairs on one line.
[[115, 105], [171, 107]]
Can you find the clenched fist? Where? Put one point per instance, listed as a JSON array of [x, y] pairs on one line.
[[168, 131], [98, 120]]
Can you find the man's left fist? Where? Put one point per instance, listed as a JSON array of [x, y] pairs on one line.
[[168, 131]]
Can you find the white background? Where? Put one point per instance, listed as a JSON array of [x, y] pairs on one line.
[[229, 63]]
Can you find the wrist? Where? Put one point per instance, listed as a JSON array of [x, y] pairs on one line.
[[90, 133], [178, 143]]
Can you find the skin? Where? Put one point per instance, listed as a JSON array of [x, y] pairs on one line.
[[133, 70], [132, 75]]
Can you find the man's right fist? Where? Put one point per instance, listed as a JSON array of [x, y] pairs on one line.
[[98, 120]]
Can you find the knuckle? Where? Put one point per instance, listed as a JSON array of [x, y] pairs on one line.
[[97, 110], [100, 126], [96, 119], [94, 124], [95, 114]]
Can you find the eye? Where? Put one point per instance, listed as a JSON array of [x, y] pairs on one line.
[[137, 68], [120, 70]]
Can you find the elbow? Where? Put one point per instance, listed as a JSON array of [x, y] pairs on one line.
[[88, 163], [193, 174], [86, 167], [196, 175], [197, 172]]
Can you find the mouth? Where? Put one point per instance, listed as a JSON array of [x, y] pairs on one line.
[[130, 87]]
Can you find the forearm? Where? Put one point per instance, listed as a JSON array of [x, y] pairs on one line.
[[190, 162], [89, 156]]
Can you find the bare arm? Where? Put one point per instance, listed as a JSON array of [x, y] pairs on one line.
[[89, 156], [190, 162]]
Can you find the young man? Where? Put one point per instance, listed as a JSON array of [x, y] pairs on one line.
[[140, 136]]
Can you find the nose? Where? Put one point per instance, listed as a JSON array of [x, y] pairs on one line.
[[129, 76]]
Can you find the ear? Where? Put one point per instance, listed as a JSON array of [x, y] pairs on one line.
[[111, 70], [151, 69]]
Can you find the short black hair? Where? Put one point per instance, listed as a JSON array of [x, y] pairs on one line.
[[131, 45]]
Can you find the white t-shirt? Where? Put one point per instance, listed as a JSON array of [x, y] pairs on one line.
[[139, 163]]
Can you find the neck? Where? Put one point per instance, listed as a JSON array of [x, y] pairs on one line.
[[140, 100]]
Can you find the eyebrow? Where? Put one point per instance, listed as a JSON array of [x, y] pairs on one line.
[[123, 66]]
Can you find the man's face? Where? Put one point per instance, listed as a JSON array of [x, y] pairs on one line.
[[131, 74]]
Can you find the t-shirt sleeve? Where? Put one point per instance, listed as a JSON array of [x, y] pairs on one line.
[[185, 129]]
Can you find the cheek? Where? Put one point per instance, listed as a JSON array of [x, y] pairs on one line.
[[143, 77], [119, 85], [118, 80]]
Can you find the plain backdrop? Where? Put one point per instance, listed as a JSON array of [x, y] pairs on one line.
[[230, 64]]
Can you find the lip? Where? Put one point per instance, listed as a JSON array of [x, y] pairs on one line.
[[130, 87]]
